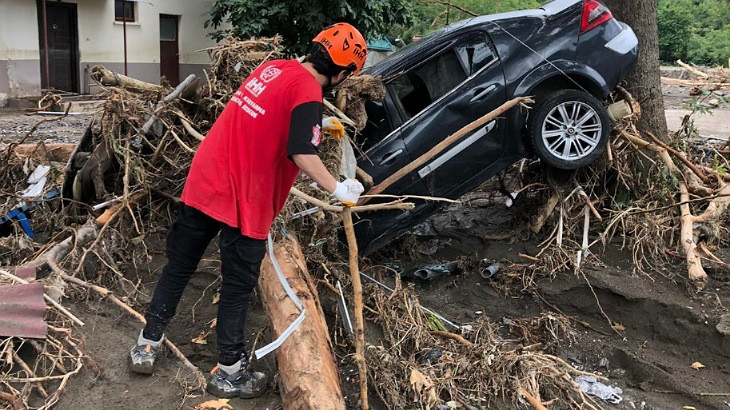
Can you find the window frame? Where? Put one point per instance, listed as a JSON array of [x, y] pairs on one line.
[[448, 45], [123, 17]]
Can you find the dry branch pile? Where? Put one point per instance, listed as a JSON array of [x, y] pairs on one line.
[[662, 200], [422, 365]]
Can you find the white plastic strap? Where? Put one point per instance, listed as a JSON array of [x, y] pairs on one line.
[[293, 296]]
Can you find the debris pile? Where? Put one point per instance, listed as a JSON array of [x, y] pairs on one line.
[[701, 82], [123, 180]]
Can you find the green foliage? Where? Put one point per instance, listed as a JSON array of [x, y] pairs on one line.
[[694, 30], [675, 27], [298, 21]]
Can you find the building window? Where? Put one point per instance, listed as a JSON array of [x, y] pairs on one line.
[[124, 11]]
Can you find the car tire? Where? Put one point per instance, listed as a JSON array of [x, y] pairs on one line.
[[569, 129]]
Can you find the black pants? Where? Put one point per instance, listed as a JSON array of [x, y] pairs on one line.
[[241, 261]]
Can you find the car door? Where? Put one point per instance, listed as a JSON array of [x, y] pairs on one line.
[[442, 95], [384, 150]]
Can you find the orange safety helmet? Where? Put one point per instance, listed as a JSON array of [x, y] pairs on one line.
[[345, 46]]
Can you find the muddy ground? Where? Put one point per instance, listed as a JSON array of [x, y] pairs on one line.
[[667, 326]]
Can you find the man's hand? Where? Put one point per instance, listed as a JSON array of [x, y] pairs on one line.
[[348, 192], [334, 127]]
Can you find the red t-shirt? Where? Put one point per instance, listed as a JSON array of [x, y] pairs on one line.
[[242, 172]]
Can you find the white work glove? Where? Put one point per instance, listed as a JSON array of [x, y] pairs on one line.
[[348, 192]]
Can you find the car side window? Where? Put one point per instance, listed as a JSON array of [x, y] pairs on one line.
[[418, 88], [475, 53]]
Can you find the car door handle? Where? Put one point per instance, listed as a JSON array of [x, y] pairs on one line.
[[481, 93], [389, 157]]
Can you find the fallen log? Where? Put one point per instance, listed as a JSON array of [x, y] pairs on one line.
[[307, 367], [108, 78]]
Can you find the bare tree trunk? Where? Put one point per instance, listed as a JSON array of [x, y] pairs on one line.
[[644, 82]]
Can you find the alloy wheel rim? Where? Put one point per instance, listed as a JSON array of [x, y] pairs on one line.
[[572, 130]]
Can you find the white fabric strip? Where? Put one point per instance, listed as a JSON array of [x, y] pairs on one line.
[[298, 303]]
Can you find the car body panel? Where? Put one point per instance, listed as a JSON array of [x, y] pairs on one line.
[[426, 101]]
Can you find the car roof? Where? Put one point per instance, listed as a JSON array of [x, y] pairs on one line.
[[397, 59], [394, 61]]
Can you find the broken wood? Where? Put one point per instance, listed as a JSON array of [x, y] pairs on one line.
[[445, 144], [52, 152], [692, 69], [107, 294], [359, 322], [104, 218], [545, 212], [85, 234], [307, 366]]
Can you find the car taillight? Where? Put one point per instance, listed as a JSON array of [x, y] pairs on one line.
[[594, 14]]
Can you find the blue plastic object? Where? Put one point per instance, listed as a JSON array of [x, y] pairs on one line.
[[18, 214]]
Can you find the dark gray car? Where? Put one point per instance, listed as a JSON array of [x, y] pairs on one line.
[[569, 55]]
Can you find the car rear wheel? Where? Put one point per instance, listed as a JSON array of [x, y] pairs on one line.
[[569, 129]]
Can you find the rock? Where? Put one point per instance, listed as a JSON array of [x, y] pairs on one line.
[[724, 325], [714, 102]]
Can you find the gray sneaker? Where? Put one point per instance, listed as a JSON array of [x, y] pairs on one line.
[[142, 358], [244, 383]]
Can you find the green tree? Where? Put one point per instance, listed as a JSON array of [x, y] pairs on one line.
[[298, 21], [675, 29], [696, 30]]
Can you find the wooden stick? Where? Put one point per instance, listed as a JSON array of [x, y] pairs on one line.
[[46, 297], [107, 294], [30, 373], [452, 336], [189, 128], [336, 208], [367, 180], [343, 118], [534, 402], [445, 144], [359, 322], [679, 156]]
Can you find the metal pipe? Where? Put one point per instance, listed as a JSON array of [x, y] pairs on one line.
[[45, 46], [124, 28]]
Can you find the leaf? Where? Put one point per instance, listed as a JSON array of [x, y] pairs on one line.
[[213, 323], [697, 365], [200, 340], [618, 327], [214, 405], [423, 387], [689, 408], [216, 298]]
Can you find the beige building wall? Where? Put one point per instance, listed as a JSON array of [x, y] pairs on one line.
[[101, 41], [19, 54]]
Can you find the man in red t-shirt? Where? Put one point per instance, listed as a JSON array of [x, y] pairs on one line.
[[238, 182]]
